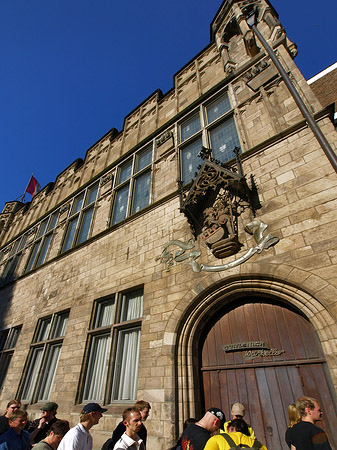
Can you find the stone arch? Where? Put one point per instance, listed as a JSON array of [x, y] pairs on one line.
[[201, 306]]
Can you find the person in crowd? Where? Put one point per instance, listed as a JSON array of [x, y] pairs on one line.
[[130, 440], [16, 438], [144, 408], [56, 434], [39, 428], [12, 406], [293, 418], [187, 422], [79, 438], [238, 412], [235, 437], [197, 434], [305, 435]]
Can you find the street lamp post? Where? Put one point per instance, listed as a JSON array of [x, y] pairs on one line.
[[251, 18]]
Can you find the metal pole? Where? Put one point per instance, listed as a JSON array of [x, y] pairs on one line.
[[331, 155]]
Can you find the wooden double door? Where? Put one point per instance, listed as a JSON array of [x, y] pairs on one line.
[[265, 356]]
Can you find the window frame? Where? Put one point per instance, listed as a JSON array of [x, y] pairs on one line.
[[112, 331], [78, 215], [35, 377], [204, 133], [10, 265], [7, 351], [34, 261], [131, 182]]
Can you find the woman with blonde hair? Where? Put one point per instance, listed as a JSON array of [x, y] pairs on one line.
[[293, 418]]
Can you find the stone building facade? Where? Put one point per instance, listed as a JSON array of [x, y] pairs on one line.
[[125, 280]]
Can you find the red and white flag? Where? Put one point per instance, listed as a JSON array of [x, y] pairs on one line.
[[33, 186]]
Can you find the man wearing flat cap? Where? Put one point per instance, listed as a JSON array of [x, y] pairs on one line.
[[79, 438], [197, 434], [39, 428]]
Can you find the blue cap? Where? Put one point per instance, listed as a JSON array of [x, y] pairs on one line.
[[91, 407]]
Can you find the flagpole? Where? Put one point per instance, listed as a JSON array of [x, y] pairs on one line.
[[23, 195]]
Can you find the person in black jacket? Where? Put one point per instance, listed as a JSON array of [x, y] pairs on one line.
[[12, 406], [144, 408]]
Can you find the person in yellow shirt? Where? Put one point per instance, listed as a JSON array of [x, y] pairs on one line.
[[238, 412], [232, 439]]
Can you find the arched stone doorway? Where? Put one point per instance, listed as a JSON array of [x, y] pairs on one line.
[[224, 296], [265, 355]]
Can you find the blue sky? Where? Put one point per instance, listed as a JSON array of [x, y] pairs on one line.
[[73, 69]]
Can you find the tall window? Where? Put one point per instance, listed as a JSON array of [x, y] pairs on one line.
[[8, 340], [114, 336], [15, 253], [42, 241], [80, 217], [211, 126], [133, 183], [43, 357]]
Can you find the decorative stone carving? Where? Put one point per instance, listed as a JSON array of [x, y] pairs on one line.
[[105, 179], [164, 137], [256, 227]]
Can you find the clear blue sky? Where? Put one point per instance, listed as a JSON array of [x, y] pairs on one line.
[[73, 69]]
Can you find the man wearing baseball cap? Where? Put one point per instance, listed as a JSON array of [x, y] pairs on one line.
[[79, 437], [238, 411], [39, 428], [197, 434]]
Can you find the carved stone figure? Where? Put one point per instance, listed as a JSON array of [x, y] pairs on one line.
[[220, 227]]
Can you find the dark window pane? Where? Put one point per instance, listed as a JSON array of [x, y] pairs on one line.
[[5, 360], [132, 306], [190, 127], [68, 242], [224, 139], [32, 256], [44, 250], [42, 228], [144, 158], [91, 194], [49, 372], [77, 205], [13, 337], [60, 325], [95, 376], [121, 204], [126, 366], [53, 220], [3, 337], [190, 160], [104, 313], [219, 107], [125, 171], [32, 374], [85, 225], [44, 328], [142, 192]]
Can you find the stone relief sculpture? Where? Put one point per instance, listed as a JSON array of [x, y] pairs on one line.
[[212, 206]]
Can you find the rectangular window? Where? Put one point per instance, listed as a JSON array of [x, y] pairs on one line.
[[43, 358], [42, 241], [14, 256], [218, 134], [114, 336], [8, 340], [80, 217], [133, 185]]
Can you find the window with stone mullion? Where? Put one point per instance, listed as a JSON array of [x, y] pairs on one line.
[[43, 358]]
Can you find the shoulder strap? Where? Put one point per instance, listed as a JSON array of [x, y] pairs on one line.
[[229, 440], [257, 444]]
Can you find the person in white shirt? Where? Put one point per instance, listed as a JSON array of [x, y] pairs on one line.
[[130, 440], [79, 438]]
